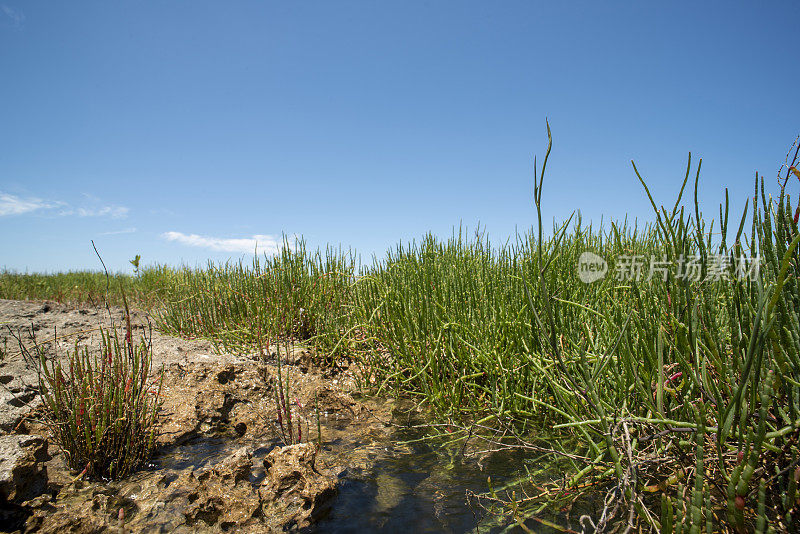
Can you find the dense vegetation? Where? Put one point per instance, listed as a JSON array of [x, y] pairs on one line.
[[89, 287], [685, 385]]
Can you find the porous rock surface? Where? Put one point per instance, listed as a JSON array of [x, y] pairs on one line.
[[206, 396], [294, 492], [23, 474]]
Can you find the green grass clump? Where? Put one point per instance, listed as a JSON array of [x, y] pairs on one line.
[[86, 287], [101, 406], [295, 294], [690, 387]]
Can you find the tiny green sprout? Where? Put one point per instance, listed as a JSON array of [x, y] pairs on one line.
[[135, 263]]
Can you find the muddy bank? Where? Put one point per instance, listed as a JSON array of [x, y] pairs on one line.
[[219, 465]]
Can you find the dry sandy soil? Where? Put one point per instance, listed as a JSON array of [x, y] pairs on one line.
[[219, 464]]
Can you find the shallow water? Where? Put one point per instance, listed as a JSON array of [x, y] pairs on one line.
[[394, 481], [416, 486], [203, 452], [420, 487]]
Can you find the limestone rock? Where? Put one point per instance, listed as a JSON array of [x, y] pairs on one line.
[[23, 474], [16, 401], [223, 495], [293, 490]]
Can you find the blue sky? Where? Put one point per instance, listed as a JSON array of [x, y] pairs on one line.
[[186, 131]]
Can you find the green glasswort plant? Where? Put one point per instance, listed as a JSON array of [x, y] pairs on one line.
[[294, 294], [290, 427], [684, 386], [101, 406]]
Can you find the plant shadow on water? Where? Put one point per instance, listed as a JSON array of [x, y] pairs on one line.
[[416, 485]]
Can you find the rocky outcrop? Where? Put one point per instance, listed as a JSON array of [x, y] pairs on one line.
[[210, 399], [17, 399], [23, 474], [214, 404], [294, 492], [223, 496]]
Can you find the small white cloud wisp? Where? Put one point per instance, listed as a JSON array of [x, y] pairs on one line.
[[115, 212], [15, 16], [14, 205], [267, 244], [119, 232]]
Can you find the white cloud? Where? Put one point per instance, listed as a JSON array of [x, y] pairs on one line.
[[14, 205], [16, 15], [265, 243], [118, 232], [115, 212]]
